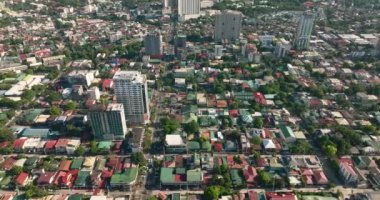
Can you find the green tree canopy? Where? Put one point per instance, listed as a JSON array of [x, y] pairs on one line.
[[170, 125], [192, 127], [54, 110], [212, 192]]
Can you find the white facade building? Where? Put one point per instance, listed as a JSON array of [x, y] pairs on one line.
[[282, 48], [108, 122], [188, 9], [131, 90]]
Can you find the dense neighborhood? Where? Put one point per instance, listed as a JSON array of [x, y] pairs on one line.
[[189, 99]]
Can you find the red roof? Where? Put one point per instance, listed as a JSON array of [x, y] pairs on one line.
[[19, 143], [65, 165], [8, 163], [107, 83], [62, 142], [320, 177], [259, 97], [252, 195], [282, 196], [218, 146], [107, 173], [4, 144], [50, 144], [46, 178], [21, 178], [234, 113]]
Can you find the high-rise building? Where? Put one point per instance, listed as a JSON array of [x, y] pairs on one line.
[[108, 122], [132, 91], [228, 25], [188, 9], [304, 29], [282, 48], [153, 43]]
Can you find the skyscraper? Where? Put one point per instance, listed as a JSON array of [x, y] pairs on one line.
[[282, 48], [108, 122], [228, 25], [153, 43], [304, 29], [131, 90], [188, 9]]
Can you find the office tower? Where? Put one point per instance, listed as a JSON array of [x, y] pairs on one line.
[[188, 9], [108, 122], [228, 25], [153, 43], [304, 29], [282, 48], [131, 90]]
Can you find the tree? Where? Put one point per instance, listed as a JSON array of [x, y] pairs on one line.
[[263, 177], [33, 191], [258, 123], [70, 106], [301, 147], [6, 135], [28, 95], [169, 125], [72, 130], [192, 127], [212, 192], [79, 151], [330, 150], [16, 170], [55, 110], [256, 140], [138, 158], [93, 148], [53, 96]]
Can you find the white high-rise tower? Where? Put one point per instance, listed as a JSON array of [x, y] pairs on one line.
[[304, 29], [132, 91]]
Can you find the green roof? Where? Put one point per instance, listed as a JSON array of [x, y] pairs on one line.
[[3, 116], [180, 170], [287, 131], [35, 132], [32, 114], [194, 175], [176, 196], [236, 177], [126, 177], [166, 175], [191, 96], [82, 178], [77, 163], [105, 145], [193, 146], [75, 197]]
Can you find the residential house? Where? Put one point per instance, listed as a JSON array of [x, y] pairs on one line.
[[124, 180], [348, 173], [174, 144], [22, 179]]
